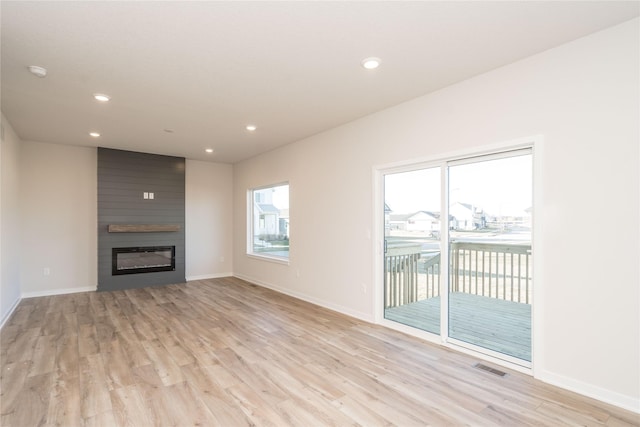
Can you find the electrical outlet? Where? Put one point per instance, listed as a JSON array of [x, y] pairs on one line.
[[221, 259], [46, 271]]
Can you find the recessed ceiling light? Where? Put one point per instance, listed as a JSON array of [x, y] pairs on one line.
[[94, 134], [251, 128], [101, 97], [37, 71], [209, 150], [371, 63]]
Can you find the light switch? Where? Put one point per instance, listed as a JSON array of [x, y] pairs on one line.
[[145, 195], [151, 196]]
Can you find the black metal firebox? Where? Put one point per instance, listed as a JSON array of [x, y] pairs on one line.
[[148, 259]]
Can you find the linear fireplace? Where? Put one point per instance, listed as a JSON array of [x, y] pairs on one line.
[[147, 259]]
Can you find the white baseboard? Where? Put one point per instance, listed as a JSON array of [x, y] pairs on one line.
[[10, 312], [58, 292], [617, 399], [331, 306], [208, 276]]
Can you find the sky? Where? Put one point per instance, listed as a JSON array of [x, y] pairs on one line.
[[500, 187], [281, 197]]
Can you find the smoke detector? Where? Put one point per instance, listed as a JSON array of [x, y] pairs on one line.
[[37, 71]]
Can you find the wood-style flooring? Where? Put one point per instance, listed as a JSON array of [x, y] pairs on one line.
[[227, 353]]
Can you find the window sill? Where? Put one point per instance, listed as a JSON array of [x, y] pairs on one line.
[[275, 259]]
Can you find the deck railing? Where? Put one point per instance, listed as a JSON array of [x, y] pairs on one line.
[[430, 266], [495, 270], [401, 279]]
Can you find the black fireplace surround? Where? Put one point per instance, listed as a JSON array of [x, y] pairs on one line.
[[146, 259]]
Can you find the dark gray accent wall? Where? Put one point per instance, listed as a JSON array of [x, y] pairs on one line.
[[123, 178]]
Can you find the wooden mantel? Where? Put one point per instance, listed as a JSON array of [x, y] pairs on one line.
[[142, 228]]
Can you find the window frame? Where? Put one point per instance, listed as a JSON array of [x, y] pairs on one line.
[[251, 223]]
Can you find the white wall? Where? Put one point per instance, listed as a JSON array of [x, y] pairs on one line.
[[9, 221], [58, 201], [583, 98], [209, 219]]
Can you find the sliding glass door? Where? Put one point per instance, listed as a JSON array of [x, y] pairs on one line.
[[462, 270], [490, 286], [412, 248]]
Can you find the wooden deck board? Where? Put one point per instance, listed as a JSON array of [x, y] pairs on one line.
[[498, 325]]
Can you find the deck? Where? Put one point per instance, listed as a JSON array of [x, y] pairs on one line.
[[499, 325]]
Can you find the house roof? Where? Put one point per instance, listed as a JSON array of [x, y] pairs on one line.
[[407, 217], [465, 205], [185, 76], [267, 208]]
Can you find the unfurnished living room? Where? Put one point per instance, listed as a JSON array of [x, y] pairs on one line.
[[320, 213]]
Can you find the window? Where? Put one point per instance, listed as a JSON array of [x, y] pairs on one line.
[[268, 225]]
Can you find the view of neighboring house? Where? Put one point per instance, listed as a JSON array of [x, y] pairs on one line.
[[418, 221], [505, 222], [268, 219], [462, 216], [283, 222], [467, 217]]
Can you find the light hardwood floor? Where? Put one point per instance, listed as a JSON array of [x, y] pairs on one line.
[[227, 353]]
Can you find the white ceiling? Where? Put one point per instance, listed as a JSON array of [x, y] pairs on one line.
[[207, 69]]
